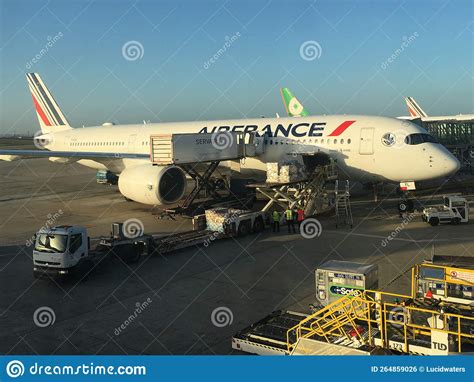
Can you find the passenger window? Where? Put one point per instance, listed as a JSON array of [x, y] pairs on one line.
[[349, 141]]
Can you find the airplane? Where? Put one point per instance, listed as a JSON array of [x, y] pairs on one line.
[[366, 148], [293, 106], [416, 112]]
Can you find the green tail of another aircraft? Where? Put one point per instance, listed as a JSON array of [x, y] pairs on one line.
[[293, 107]]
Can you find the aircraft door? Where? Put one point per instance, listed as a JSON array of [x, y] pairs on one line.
[[131, 143], [366, 143]]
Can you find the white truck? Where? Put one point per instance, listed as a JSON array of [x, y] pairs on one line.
[[66, 250], [455, 210]]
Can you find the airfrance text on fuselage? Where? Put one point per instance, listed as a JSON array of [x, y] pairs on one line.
[[296, 130]]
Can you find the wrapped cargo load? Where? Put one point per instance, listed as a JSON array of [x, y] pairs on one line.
[[285, 172], [218, 218]]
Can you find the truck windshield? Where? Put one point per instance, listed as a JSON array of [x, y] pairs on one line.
[[47, 242]]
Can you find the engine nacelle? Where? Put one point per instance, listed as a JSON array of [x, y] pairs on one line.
[[153, 185]]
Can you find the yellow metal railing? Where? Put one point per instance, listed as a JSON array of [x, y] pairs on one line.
[[345, 316]]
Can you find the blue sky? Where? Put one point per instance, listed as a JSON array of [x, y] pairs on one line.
[[173, 79]]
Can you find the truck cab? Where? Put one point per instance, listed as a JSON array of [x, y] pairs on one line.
[[59, 249]]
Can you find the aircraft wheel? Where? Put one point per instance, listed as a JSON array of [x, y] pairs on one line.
[[258, 225], [405, 205], [244, 228]]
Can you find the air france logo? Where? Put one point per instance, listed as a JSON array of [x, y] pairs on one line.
[[304, 129], [388, 139]]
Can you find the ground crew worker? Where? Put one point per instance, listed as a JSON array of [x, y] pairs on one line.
[[276, 221], [289, 220], [429, 294], [300, 216]]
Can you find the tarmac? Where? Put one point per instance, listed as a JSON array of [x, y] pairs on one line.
[[191, 301]]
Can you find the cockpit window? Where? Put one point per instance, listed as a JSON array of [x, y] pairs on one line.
[[416, 139]]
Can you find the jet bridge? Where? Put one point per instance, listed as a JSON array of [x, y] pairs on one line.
[[195, 148]]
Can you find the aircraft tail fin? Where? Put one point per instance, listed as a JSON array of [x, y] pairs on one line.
[[293, 107], [414, 109], [50, 116]]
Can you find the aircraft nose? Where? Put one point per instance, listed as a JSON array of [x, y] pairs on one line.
[[451, 165]]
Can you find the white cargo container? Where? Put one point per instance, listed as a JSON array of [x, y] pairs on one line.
[[336, 279]]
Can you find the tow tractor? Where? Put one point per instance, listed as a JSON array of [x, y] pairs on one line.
[[66, 250], [455, 210]]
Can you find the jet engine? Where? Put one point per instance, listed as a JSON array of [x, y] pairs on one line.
[[153, 185]]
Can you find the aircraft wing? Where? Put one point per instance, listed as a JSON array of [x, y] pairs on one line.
[[9, 155]]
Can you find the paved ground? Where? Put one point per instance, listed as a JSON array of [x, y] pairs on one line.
[[250, 277]]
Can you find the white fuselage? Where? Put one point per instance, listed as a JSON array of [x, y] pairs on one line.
[[366, 148]]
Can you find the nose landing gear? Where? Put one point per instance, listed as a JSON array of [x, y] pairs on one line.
[[405, 205]]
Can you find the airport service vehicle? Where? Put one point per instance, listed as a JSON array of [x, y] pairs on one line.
[[375, 322], [106, 177], [66, 250], [367, 148], [455, 210]]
